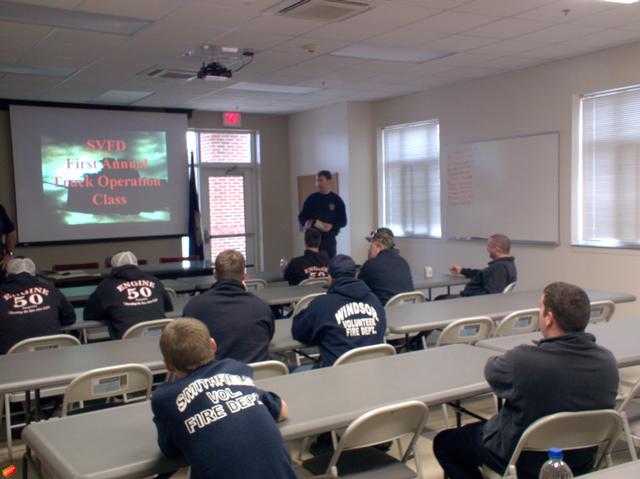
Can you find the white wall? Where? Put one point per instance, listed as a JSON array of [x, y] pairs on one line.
[[534, 100]]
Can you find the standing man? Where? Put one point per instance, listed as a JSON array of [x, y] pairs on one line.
[[385, 272], [30, 307], [499, 273], [566, 371], [313, 264], [241, 322], [8, 240], [129, 296], [324, 211]]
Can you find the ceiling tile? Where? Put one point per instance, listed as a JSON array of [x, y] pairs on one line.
[[554, 11], [281, 25], [558, 50], [459, 43], [605, 38], [507, 28], [506, 47], [205, 14], [559, 33], [246, 38], [452, 22], [131, 8], [320, 46], [347, 31], [68, 4], [502, 8], [614, 17], [394, 16], [404, 37]]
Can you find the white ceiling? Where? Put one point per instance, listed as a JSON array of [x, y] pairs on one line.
[[488, 36]]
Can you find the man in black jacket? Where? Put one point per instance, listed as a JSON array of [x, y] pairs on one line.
[[499, 273], [313, 264], [128, 297], [385, 272], [565, 371], [241, 322], [29, 307], [348, 316]]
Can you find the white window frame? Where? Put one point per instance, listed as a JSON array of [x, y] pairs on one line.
[[382, 220]]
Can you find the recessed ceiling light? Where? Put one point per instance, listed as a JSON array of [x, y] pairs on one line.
[[36, 70], [371, 51], [271, 88], [58, 17], [122, 97], [621, 1]]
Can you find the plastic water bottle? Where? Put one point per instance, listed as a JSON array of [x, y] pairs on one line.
[[555, 467], [283, 266]]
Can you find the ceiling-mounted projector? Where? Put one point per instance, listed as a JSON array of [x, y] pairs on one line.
[[214, 71]]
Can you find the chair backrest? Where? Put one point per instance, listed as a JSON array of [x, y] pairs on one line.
[[572, 430], [41, 343], [508, 288], [466, 331], [314, 282], [519, 322], [304, 302], [268, 369], [411, 297], [172, 293], [382, 425], [78, 266], [634, 393], [601, 311], [108, 382], [147, 328], [364, 353], [255, 284]]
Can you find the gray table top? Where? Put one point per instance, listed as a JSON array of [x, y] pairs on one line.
[[438, 280], [121, 442], [82, 293], [619, 336], [286, 294], [414, 318], [623, 471], [198, 283]]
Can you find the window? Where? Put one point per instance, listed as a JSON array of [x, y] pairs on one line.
[[608, 190], [410, 204], [228, 178]]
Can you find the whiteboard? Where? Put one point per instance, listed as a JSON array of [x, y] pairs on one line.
[[507, 186]]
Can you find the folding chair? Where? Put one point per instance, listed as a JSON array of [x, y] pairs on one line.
[[364, 353], [354, 457], [314, 282], [304, 302], [147, 328], [629, 407], [255, 284], [601, 311], [464, 331], [519, 322], [268, 369], [568, 431], [508, 288], [39, 343], [172, 293], [411, 297], [108, 382]]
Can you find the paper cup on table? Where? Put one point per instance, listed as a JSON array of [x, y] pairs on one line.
[[428, 271]]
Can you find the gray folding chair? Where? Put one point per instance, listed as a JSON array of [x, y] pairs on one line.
[[255, 284], [601, 311], [519, 322], [381, 425], [147, 328], [172, 293], [508, 288], [314, 282], [629, 407], [568, 431], [364, 353], [400, 299], [464, 331], [304, 302], [268, 369], [109, 382], [40, 343]]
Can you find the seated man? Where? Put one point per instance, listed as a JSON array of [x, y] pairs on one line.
[[129, 296], [348, 316], [242, 322], [385, 272], [213, 415], [29, 307], [313, 264], [565, 371], [500, 272]]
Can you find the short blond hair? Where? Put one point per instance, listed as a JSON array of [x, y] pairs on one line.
[[186, 344], [230, 265]]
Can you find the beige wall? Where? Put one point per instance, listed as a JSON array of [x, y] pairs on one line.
[[535, 100], [274, 170]]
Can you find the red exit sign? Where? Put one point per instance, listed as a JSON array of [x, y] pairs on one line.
[[232, 119]]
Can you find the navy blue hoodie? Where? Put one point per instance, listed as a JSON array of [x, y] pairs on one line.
[[349, 316]]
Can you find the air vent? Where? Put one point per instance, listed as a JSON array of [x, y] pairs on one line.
[[171, 74], [320, 10]]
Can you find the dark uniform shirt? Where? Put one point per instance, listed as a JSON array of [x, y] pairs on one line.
[[29, 308], [310, 265], [130, 296], [498, 274], [222, 424], [349, 316], [327, 208], [387, 274], [240, 322]]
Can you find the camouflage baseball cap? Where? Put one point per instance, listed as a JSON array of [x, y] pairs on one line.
[[384, 236]]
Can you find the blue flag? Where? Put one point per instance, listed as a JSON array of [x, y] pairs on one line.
[[196, 247]]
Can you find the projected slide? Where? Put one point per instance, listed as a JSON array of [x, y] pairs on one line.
[[84, 174]]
